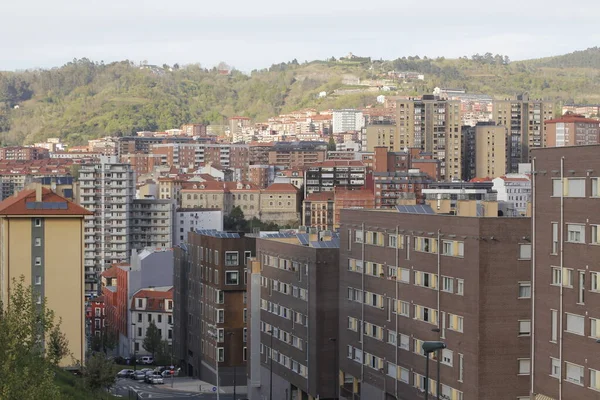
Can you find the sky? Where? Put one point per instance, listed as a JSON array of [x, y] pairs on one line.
[[255, 34]]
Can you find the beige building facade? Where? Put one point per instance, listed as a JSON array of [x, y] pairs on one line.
[[490, 150], [35, 225]]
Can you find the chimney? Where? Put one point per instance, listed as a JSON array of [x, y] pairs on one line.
[[38, 193]]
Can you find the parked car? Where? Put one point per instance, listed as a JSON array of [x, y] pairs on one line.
[[147, 360], [148, 376], [138, 375], [156, 379], [124, 373]]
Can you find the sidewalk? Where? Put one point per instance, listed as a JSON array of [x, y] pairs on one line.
[[197, 386]]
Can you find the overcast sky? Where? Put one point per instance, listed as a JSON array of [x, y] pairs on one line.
[[255, 34]]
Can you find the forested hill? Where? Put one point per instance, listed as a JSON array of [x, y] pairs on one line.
[[85, 99]]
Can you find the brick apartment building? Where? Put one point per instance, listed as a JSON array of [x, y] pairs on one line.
[[297, 154], [411, 276], [566, 284], [210, 305], [325, 176], [22, 153], [572, 130], [293, 295]]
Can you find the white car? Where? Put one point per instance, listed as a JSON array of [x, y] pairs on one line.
[[156, 379]]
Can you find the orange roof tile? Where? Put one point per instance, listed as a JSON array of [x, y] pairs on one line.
[[155, 298], [282, 187], [17, 205]]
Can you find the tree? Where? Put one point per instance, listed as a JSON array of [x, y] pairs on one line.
[[152, 340], [163, 354], [25, 369], [98, 373], [331, 145], [58, 345], [107, 340], [235, 221]]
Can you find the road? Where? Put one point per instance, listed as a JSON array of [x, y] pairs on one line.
[[128, 389]]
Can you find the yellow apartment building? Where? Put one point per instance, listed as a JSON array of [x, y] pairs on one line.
[[41, 238]]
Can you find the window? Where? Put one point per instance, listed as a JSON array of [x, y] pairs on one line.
[[245, 315], [38, 281], [567, 277], [460, 287], [556, 276], [159, 318], [139, 317], [574, 373], [216, 257], [595, 239], [524, 328], [525, 252], [595, 282], [595, 187], [139, 332], [404, 342], [220, 335], [455, 322], [358, 236], [392, 337], [554, 367], [447, 284], [392, 370], [220, 314], [554, 238], [461, 362], [37, 222], [220, 354], [524, 290], [245, 335], [554, 326], [353, 324], [404, 308], [447, 357], [403, 374], [581, 292], [231, 258], [170, 320], [38, 242], [524, 366], [573, 187], [426, 245], [425, 279], [393, 241], [38, 261], [232, 277], [245, 354], [575, 233], [404, 275], [149, 317], [595, 328], [575, 324], [219, 297], [426, 314], [594, 379]]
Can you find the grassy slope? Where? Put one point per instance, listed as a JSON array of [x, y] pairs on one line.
[[84, 100], [71, 388]]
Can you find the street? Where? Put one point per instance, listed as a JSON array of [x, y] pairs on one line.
[[130, 389]]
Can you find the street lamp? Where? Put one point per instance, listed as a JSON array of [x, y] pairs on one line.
[[134, 355], [335, 368], [428, 348], [230, 334], [172, 343], [213, 334], [271, 367]]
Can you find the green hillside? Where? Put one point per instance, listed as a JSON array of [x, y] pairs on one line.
[[84, 99]]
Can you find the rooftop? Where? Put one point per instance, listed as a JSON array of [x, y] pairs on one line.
[[25, 203]]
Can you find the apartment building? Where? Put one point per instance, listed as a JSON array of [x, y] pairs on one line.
[[566, 310], [42, 240], [293, 303], [318, 210], [412, 276], [210, 305], [572, 130], [280, 203], [524, 121], [296, 155], [432, 125], [147, 268], [194, 130], [483, 150], [23, 153], [95, 313], [223, 196], [513, 193], [107, 189], [151, 223], [382, 134], [143, 144], [151, 305], [190, 219], [324, 176], [347, 120]]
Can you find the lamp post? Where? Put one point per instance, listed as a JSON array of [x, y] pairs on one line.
[[428, 348], [172, 349], [134, 355], [439, 381], [335, 367], [213, 334], [231, 334], [271, 368]]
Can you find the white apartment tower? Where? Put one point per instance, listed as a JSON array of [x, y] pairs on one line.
[[107, 189], [347, 120]]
